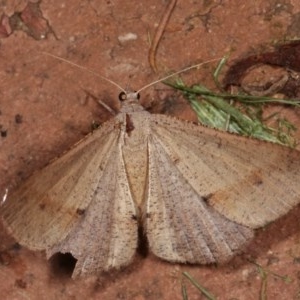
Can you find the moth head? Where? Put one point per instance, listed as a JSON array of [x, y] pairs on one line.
[[123, 96]]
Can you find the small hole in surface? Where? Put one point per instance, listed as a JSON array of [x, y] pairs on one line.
[[63, 263]]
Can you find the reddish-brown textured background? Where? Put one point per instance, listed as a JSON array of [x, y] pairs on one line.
[[56, 112]]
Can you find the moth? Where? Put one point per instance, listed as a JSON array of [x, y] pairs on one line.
[[198, 193]]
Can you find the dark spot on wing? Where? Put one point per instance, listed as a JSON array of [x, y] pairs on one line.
[[255, 178], [80, 211], [207, 197], [134, 217], [258, 181], [176, 160]]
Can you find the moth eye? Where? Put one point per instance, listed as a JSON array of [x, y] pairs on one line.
[[138, 96], [122, 96]]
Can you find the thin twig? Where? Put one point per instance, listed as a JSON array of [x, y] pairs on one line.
[[159, 33]]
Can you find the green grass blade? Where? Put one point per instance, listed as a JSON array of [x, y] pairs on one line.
[[202, 289]]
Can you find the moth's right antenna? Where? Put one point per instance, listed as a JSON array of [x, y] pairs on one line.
[[176, 73]]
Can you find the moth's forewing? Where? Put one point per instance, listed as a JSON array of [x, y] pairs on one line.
[[208, 189], [180, 226], [249, 181], [78, 204]]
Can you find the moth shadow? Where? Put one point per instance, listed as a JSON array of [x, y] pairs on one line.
[[267, 237]]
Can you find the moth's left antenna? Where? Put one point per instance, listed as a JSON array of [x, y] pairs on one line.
[[85, 69]]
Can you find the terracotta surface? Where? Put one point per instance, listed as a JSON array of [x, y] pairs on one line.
[[44, 109]]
